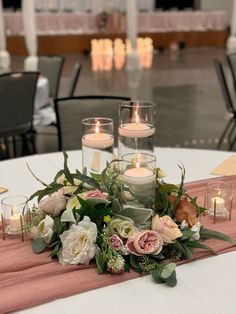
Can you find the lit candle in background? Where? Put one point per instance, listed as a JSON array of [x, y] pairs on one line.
[[14, 224], [136, 129], [218, 202], [98, 140]]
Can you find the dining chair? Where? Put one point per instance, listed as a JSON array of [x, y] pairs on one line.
[[51, 68], [228, 132], [71, 111], [231, 58], [17, 93], [73, 79]]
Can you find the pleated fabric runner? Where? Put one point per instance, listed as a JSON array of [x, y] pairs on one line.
[[28, 279]]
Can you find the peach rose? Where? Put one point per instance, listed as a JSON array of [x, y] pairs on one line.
[[166, 227], [145, 242], [187, 211]]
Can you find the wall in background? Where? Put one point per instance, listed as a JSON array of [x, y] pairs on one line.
[[225, 5]]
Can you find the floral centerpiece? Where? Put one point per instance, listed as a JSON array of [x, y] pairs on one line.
[[82, 219]]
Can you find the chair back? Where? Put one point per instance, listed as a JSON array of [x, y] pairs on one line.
[[224, 87], [231, 58], [17, 93], [71, 111], [51, 68], [73, 79]]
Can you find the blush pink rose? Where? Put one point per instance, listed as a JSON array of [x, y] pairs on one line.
[[53, 204], [145, 242], [95, 194], [116, 242]]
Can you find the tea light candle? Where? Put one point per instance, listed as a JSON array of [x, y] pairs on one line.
[[14, 223], [139, 176], [138, 130], [220, 204]]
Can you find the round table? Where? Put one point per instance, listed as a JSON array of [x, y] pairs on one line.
[[205, 286]]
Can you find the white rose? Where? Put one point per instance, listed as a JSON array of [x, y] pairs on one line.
[[196, 228], [43, 230], [78, 243], [53, 204]]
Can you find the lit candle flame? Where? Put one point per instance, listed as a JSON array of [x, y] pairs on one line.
[[137, 164], [97, 127], [137, 120]]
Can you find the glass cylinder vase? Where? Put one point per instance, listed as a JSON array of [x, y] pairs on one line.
[[139, 179], [97, 144], [136, 127]]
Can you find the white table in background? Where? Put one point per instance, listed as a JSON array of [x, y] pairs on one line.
[[205, 286]]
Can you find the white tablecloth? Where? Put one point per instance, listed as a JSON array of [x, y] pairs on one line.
[[206, 286], [87, 23]]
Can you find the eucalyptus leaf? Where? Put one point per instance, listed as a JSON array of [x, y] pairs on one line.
[[68, 216], [171, 281], [168, 270], [156, 275], [38, 245]]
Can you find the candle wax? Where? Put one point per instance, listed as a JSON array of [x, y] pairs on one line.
[[14, 222], [139, 176], [220, 204], [138, 130], [98, 140]]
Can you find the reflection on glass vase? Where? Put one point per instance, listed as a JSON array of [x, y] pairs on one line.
[[138, 187]]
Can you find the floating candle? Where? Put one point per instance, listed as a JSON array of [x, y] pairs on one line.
[[137, 130], [98, 140], [139, 176]]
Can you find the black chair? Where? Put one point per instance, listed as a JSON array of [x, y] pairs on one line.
[[71, 111], [231, 58], [231, 125], [51, 68], [17, 93], [73, 79]]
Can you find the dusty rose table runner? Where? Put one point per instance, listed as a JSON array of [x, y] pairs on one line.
[[28, 279]]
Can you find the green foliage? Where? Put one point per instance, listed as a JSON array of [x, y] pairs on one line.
[[95, 213], [165, 274], [39, 245], [212, 234], [101, 262]]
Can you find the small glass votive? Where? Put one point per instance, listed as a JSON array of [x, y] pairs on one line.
[[139, 179], [97, 144], [13, 210], [136, 127], [218, 199]]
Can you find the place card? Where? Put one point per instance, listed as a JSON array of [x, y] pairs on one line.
[[226, 168]]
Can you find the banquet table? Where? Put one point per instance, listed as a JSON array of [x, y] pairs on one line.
[[204, 286], [48, 23]]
